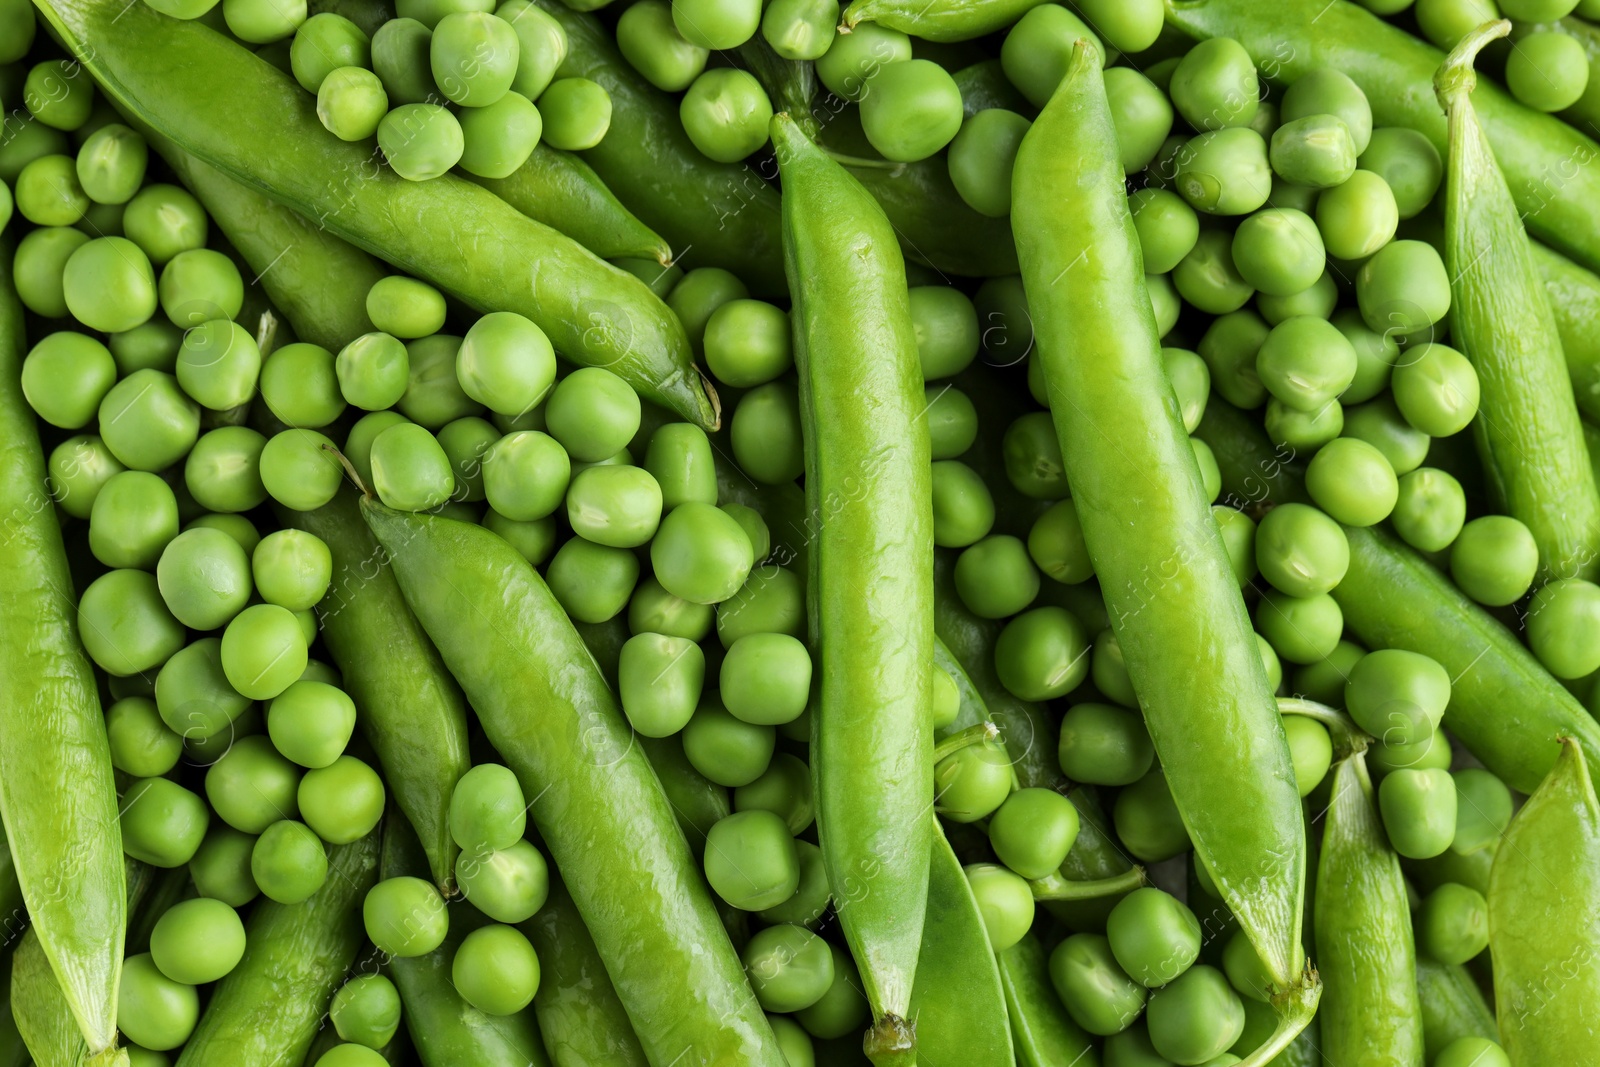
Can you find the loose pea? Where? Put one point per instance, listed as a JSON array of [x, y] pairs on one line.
[[221, 867], [487, 809], [1357, 217], [153, 345], [499, 138], [124, 625], [1103, 744], [40, 267], [66, 376], [288, 862], [1207, 278], [766, 679], [913, 110], [78, 469], [1239, 538], [164, 220], [300, 470], [373, 371], [843, 1009], [725, 113], [410, 470], [109, 286], [300, 385], [48, 192], [1270, 662], [59, 93], [1325, 91], [352, 105], [1472, 1052], [543, 44], [772, 601], [1548, 71], [751, 861], [1153, 936], [981, 159], [1300, 550], [1436, 389], [1445, 22], [1408, 163], [474, 56], [343, 801], [292, 568], [1494, 560], [1214, 85], [197, 941], [263, 651], [963, 510], [1300, 629], [263, 21], [133, 518], [800, 29], [810, 902], [784, 789], [577, 113], [698, 295], [855, 59], [1353, 482], [1042, 654], [420, 141], [995, 578], [1278, 251], [1310, 750], [400, 50], [727, 750], [1453, 923], [405, 307], [162, 822], [252, 786], [1380, 424], [1317, 300], [1167, 227], [509, 885], [322, 44], [1004, 901], [366, 1011], [1403, 287], [1316, 151], [1563, 625], [1419, 811], [219, 364], [747, 343], [152, 1009], [204, 578], [1096, 992], [111, 164], [1432, 753], [496, 970], [1057, 547], [1305, 362], [1032, 455], [1196, 1018], [1033, 830], [790, 967], [536, 539], [1147, 820], [405, 917], [592, 582], [1225, 171]]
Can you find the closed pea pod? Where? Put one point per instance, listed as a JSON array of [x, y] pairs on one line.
[[872, 743], [942, 20], [1452, 1006], [1529, 437], [1155, 547], [1042, 1032]]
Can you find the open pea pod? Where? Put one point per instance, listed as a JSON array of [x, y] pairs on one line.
[[1544, 928], [958, 1002], [1452, 1006], [217, 100], [57, 795], [1042, 1032]]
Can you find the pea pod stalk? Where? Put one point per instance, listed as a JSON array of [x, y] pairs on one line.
[[1527, 428], [238, 113], [1544, 929], [57, 795], [1174, 602], [870, 594]]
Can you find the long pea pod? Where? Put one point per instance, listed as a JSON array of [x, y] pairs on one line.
[[870, 593], [268, 1009], [1042, 1032], [1365, 951], [238, 113], [409, 707], [1544, 928], [696, 801], [445, 1029], [937, 20], [599, 807], [959, 1002], [1173, 598], [1574, 297], [1527, 428], [713, 214], [1549, 166], [1452, 1006], [562, 191], [57, 795]]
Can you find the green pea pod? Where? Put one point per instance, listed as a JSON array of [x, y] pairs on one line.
[[13, 1050], [446, 1030], [696, 801], [57, 794], [1370, 1013], [1042, 1031], [985, 85], [410, 709], [1175, 604], [216, 100], [1452, 1006], [13, 912], [367, 14], [1504, 706], [1549, 166], [937, 20], [959, 1002], [598, 805], [715, 214], [268, 1009], [870, 592], [583, 1022], [1255, 472], [1527, 427], [563, 192], [1544, 931], [1574, 297]]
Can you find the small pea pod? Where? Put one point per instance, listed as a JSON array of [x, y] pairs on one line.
[[1370, 1013], [870, 592], [697, 801], [268, 1009], [1042, 1031], [1174, 601], [715, 214], [1527, 426], [583, 1022], [239, 114], [1574, 296], [1544, 929], [938, 20], [409, 707], [562, 191], [599, 807], [959, 1002], [446, 1030], [1452, 1006], [985, 85], [56, 793]]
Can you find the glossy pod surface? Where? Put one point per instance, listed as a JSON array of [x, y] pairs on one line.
[[1451, 1005], [1042, 1031]]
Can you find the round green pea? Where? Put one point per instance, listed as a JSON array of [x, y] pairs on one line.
[[766, 679], [1453, 923], [133, 518], [1494, 560], [1057, 547], [343, 801], [124, 624], [1225, 171], [109, 285], [1195, 1018], [1153, 936], [66, 376], [1033, 830], [496, 970], [420, 141], [593, 413], [1408, 163], [509, 885], [221, 867], [1472, 1052], [1548, 71], [726, 113], [592, 582], [162, 822], [263, 651], [1563, 626], [111, 164], [913, 110], [1207, 279], [772, 601], [746, 343], [410, 470], [405, 307], [526, 475], [727, 750], [1004, 901], [1404, 287], [701, 554], [141, 744], [543, 48], [263, 21], [223, 470], [790, 968], [219, 364], [366, 1011], [300, 470], [400, 48], [197, 941], [1380, 424], [252, 786], [577, 114], [963, 509], [1095, 990], [750, 860], [1035, 52], [77, 470], [405, 917], [199, 285], [1042, 654], [946, 325], [1214, 85], [618, 505], [1419, 811], [300, 384], [288, 862], [1436, 389], [153, 345], [982, 156], [1310, 750], [40, 265], [1147, 820], [487, 809], [1353, 482], [154, 1011], [1300, 629], [1103, 744], [352, 104], [1300, 550], [766, 436], [996, 578]]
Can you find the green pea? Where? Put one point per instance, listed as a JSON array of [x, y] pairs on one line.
[[1153, 936], [1191, 383], [766, 679], [66, 376], [487, 809], [1057, 547], [913, 110], [466, 442], [970, 783], [1210, 473], [499, 138], [300, 470], [152, 345], [324, 43], [963, 510], [1167, 228], [800, 29], [400, 50], [311, 722], [1300, 550], [252, 786], [221, 867], [1380, 424], [1316, 151], [133, 518], [288, 862], [1225, 171], [222, 472], [1563, 625], [366, 1010], [1494, 560], [1004, 901], [1032, 455], [1102, 744], [343, 801], [1036, 51], [1436, 389], [809, 904], [474, 56], [154, 1011], [433, 395], [1132, 1048], [509, 885], [543, 46], [405, 917], [1548, 70], [1214, 85], [1317, 300], [219, 364], [784, 789], [1140, 113], [1033, 830], [204, 578], [577, 113], [727, 750], [1324, 681], [1419, 811], [1453, 923], [653, 610], [263, 21], [1042, 654], [410, 471], [535, 539], [372, 371], [754, 527], [982, 156], [1310, 750], [1239, 538], [772, 601], [593, 413], [300, 384], [592, 582], [616, 505], [1096, 992], [78, 469], [1270, 662], [141, 744], [525, 475], [28, 141], [193, 695], [1303, 431], [40, 266], [111, 164], [1300, 629], [495, 970], [17, 19], [702, 291], [1432, 753], [124, 625], [1325, 91], [263, 651], [1353, 482], [659, 682], [59, 93], [995, 578], [162, 822], [108, 285], [1207, 278], [1408, 163], [746, 343], [197, 941], [1196, 1018], [164, 220], [1147, 820], [352, 105], [1471, 1052], [1403, 287], [1278, 251], [726, 113], [790, 967], [292, 568], [420, 141], [405, 308], [1357, 217], [1305, 362], [701, 554], [750, 860]]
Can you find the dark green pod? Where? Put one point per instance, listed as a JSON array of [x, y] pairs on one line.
[[1043, 1032], [1452, 1006], [940, 20]]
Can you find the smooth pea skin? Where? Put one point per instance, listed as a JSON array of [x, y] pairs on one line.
[[420, 141], [1419, 811], [152, 1009], [1315, 152], [750, 860], [1196, 1018], [299, 469], [1103, 744], [1147, 820], [1563, 624], [659, 680], [981, 158], [197, 941], [1004, 901], [726, 750], [343, 801], [65, 376], [1300, 550], [366, 1010], [1225, 172], [162, 822], [1453, 923], [496, 970], [288, 862], [1097, 993], [1352, 481], [996, 578], [913, 110], [410, 470], [1214, 86], [372, 371], [790, 967], [109, 285], [487, 809], [1042, 654], [766, 679], [508, 884], [577, 114], [970, 783], [204, 578], [652, 45], [311, 722], [1033, 830], [1494, 560], [725, 113], [592, 582], [473, 56], [747, 342], [1153, 936], [405, 917], [141, 744], [352, 103]]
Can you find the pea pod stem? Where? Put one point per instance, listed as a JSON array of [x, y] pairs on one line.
[[1347, 736], [972, 735], [1174, 602], [1527, 428], [1295, 1008], [1058, 887]]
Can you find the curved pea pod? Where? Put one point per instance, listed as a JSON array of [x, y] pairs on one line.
[[1527, 428], [1041, 1030], [1549, 166], [56, 794], [697, 801], [1452, 1006], [940, 20], [269, 1008], [985, 85], [316, 280], [959, 1002], [408, 706], [597, 804], [1574, 297], [243, 116], [1504, 706], [1365, 953], [1544, 931], [714, 214], [870, 592], [1174, 602], [580, 1017], [445, 1029], [563, 192]]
